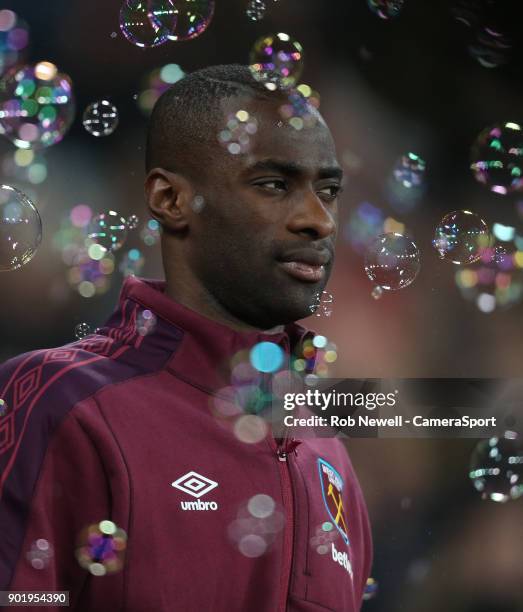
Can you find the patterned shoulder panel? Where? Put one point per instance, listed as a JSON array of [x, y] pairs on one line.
[[53, 380]]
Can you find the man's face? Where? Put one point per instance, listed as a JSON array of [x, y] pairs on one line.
[[263, 245]]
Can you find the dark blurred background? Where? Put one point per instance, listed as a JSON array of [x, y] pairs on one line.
[[427, 80]]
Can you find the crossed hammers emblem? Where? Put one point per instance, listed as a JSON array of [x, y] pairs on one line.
[[338, 502]]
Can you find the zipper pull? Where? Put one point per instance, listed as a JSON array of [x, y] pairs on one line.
[[282, 455]]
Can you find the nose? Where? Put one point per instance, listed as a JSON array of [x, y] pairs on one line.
[[312, 217]]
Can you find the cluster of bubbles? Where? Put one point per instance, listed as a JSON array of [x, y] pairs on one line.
[[276, 61], [90, 276], [3, 407], [101, 548], [155, 83], [82, 330], [20, 229], [495, 280], [100, 118], [406, 184], [496, 468], [151, 232], [301, 108], [14, 40], [87, 243], [392, 262], [256, 526], [237, 133], [386, 9], [145, 322], [497, 158], [256, 10], [26, 166], [132, 263], [461, 237], [40, 554], [36, 105], [149, 23], [325, 534], [314, 358], [322, 304]]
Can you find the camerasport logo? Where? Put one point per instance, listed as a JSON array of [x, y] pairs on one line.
[[196, 485]]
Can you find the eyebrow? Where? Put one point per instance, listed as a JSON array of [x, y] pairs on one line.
[[291, 169]]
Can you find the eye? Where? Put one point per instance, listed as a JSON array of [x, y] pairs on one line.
[[331, 191], [272, 185]]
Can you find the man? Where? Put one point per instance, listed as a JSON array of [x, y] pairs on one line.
[[141, 428]]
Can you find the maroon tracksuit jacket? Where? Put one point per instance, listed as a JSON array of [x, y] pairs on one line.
[[119, 426]]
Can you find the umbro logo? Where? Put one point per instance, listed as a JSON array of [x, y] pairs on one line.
[[196, 485]]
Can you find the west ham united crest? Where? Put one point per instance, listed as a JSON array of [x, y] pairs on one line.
[[331, 489]]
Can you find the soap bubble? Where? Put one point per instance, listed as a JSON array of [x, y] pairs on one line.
[[261, 505], [365, 222], [155, 83], [276, 61], [20, 229], [145, 322], [40, 554], [250, 429], [377, 292], [321, 306], [386, 8], [36, 105], [461, 237], [14, 40], [101, 548], [256, 10], [266, 357], [237, 132], [147, 23], [82, 330], [133, 222], [192, 18], [100, 118], [371, 588], [109, 230], [497, 158], [409, 170], [392, 261], [496, 468], [198, 203], [491, 47]]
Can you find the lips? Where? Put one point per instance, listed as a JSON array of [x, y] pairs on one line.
[[303, 271], [306, 265]]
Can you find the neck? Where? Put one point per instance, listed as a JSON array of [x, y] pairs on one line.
[[201, 301]]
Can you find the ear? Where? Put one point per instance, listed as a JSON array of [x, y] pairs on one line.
[[168, 196]]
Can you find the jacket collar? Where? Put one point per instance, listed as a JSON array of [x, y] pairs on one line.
[[204, 357]]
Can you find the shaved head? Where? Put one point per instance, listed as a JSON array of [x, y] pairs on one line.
[[186, 118]]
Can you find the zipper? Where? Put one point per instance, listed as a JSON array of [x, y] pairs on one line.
[[282, 453]]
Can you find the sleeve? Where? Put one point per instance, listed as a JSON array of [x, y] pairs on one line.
[[52, 485]]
